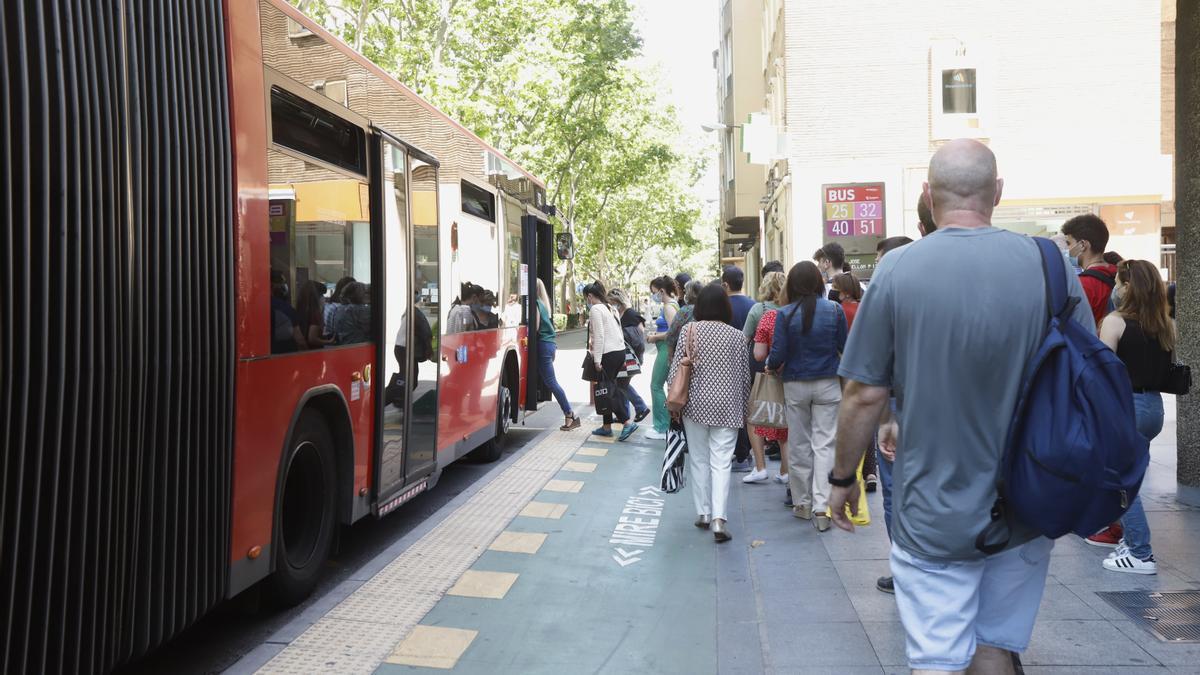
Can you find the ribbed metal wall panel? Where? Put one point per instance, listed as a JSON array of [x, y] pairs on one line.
[[116, 327]]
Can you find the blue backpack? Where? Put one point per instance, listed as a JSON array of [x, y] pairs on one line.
[[1073, 459]]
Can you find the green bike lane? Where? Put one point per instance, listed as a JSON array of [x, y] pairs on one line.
[[623, 582]]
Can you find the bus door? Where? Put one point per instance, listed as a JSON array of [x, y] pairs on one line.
[[537, 236], [406, 442]]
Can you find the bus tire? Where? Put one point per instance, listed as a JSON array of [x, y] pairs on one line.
[[493, 449], [307, 511]]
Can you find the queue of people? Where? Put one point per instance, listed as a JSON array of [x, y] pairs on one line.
[[912, 386]]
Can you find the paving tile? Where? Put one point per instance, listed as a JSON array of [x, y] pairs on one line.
[[593, 452], [1175, 655], [1061, 603], [736, 601], [482, 584], [1083, 643], [432, 647], [1092, 670], [739, 648], [861, 574], [888, 640], [871, 604], [543, 510], [556, 485], [813, 606], [819, 645], [518, 542], [579, 467], [1087, 571], [840, 670]]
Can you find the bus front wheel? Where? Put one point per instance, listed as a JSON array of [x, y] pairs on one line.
[[307, 512]]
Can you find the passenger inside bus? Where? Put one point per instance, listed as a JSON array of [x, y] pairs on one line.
[[285, 326], [352, 320], [461, 318], [310, 309]]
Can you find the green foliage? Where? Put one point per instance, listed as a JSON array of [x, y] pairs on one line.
[[553, 84]]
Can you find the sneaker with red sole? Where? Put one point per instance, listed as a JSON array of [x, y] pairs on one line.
[[1109, 537]]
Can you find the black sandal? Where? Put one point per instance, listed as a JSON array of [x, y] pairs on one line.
[[573, 424]]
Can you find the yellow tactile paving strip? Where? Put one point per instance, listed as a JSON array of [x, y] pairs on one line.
[[580, 467], [518, 542], [433, 647], [365, 628], [557, 485], [481, 584], [543, 510], [593, 452]]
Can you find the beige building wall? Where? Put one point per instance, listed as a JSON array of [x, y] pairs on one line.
[[1070, 94], [740, 89]]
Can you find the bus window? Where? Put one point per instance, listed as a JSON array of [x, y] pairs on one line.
[[421, 449], [320, 226], [477, 286]]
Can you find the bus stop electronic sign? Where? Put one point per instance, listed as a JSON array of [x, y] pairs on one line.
[[853, 214], [854, 210]]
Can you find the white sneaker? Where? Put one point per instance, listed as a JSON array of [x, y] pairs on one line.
[[781, 478], [1131, 565], [1121, 549], [755, 476], [655, 435]]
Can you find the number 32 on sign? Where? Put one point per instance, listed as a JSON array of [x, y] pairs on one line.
[[853, 210]]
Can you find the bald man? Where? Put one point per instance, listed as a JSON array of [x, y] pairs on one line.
[[955, 360]]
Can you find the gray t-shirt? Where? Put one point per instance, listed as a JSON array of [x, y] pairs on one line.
[[949, 323]]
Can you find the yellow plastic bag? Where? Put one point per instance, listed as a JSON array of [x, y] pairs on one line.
[[864, 515]]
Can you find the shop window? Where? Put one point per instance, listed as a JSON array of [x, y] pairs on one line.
[[478, 202]]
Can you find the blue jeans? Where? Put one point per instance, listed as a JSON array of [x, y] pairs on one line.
[[632, 397], [885, 488], [1148, 409], [546, 352]]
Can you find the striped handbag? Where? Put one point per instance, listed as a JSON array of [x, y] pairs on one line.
[[672, 467]]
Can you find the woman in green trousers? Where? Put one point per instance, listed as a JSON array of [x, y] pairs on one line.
[[664, 292]]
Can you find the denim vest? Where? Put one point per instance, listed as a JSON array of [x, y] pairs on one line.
[[813, 355]]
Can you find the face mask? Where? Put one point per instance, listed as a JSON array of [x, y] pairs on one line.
[[1116, 295], [1073, 257]]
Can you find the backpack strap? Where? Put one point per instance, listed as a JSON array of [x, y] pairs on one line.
[[1054, 270], [1097, 274]]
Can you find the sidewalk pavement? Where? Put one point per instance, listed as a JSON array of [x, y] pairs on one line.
[[570, 560]]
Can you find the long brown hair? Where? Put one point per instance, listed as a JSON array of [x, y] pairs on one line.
[[848, 286], [1144, 299], [804, 286]]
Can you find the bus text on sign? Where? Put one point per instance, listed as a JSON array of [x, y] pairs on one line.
[[854, 210]]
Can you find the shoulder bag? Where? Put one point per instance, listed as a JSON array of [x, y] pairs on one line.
[[677, 394], [591, 369]]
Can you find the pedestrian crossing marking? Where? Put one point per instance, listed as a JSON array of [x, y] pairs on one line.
[[432, 647], [480, 584], [543, 510], [579, 467], [593, 452], [563, 485], [518, 542]]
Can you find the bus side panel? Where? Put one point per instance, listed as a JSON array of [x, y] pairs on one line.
[[470, 380], [270, 391]]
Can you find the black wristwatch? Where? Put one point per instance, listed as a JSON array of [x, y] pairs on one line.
[[841, 482]]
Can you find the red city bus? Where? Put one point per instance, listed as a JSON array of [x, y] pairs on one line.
[[183, 183]]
